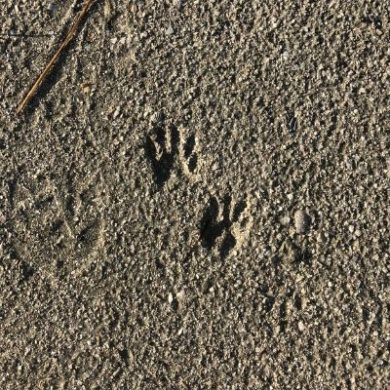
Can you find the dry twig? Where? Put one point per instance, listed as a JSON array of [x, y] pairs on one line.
[[69, 37]]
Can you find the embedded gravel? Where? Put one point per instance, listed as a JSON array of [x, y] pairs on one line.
[[198, 196]]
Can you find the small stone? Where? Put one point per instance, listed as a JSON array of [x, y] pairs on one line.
[[170, 30], [215, 167], [86, 88], [301, 326], [301, 222], [180, 296], [116, 112], [285, 220]]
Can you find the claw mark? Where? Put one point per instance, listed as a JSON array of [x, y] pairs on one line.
[[224, 227], [292, 122]]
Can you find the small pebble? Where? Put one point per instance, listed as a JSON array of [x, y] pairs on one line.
[[169, 30], [285, 220], [301, 222]]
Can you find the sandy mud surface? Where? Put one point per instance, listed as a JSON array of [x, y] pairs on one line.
[[198, 196]]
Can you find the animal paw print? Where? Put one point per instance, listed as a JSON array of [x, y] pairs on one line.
[[83, 202], [225, 226], [59, 228], [164, 145]]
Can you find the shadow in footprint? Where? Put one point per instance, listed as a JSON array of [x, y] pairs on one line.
[[189, 146], [190, 155], [210, 230], [161, 150], [228, 244]]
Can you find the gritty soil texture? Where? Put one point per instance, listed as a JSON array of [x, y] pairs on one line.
[[198, 197]]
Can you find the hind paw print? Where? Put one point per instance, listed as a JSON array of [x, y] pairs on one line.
[[58, 228], [82, 205], [225, 226]]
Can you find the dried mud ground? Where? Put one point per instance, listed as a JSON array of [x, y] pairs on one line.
[[198, 198]]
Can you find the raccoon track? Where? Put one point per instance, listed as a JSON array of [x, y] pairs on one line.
[[225, 225]]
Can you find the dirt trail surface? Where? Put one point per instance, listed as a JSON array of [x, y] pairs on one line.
[[198, 196]]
